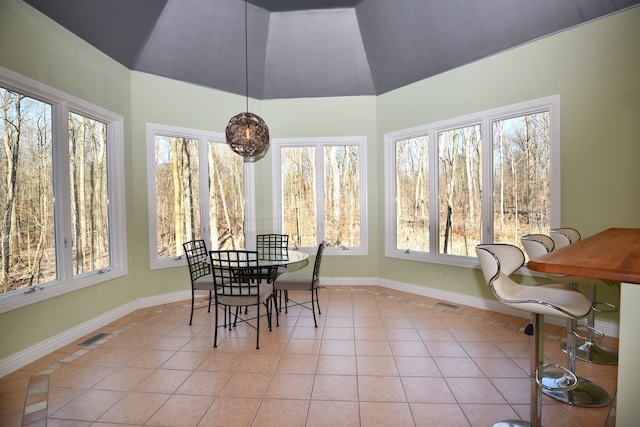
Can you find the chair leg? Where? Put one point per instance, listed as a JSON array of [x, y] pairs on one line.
[[210, 298], [313, 307], [275, 305], [193, 297], [215, 331], [235, 320], [258, 327]]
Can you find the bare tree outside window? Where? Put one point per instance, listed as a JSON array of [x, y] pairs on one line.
[[412, 194], [522, 177], [341, 196], [226, 197], [299, 195], [321, 193], [179, 211], [177, 193], [89, 198], [511, 149], [26, 192], [459, 175]]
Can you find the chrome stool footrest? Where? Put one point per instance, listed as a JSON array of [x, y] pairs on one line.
[[604, 307], [566, 382], [592, 334]]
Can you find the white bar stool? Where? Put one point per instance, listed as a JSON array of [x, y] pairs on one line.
[[498, 262], [591, 350], [587, 393]]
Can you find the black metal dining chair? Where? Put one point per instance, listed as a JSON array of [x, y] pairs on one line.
[[301, 282], [199, 270], [240, 282]]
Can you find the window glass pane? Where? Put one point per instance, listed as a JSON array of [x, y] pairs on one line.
[[89, 199], [412, 194], [177, 193], [341, 196], [27, 244], [459, 178], [522, 183], [226, 197], [299, 195]]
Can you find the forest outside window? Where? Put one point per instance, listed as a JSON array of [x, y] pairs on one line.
[[319, 192], [486, 177], [61, 196], [197, 190]]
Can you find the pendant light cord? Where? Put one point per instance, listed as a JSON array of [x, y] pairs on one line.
[[246, 56]]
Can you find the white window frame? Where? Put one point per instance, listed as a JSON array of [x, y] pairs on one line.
[[361, 142], [484, 118], [63, 103], [203, 137]]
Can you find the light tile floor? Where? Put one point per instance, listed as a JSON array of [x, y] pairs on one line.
[[378, 358]]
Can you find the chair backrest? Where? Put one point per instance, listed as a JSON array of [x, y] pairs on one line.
[[564, 236], [536, 245], [272, 247], [497, 262], [236, 272], [316, 264], [197, 256]]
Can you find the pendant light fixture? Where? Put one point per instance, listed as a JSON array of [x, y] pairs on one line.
[[247, 134]]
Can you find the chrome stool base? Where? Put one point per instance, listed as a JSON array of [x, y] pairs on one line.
[[513, 423], [594, 353], [587, 393]]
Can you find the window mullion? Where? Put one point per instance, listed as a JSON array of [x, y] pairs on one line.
[[320, 190], [62, 192], [434, 219], [203, 188], [486, 167]]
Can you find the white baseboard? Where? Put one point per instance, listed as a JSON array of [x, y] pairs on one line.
[[41, 349], [609, 329], [18, 360]]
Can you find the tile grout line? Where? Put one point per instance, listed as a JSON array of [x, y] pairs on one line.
[[36, 402]]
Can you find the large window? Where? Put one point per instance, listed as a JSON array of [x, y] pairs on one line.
[[61, 193], [487, 177], [197, 190], [320, 192]]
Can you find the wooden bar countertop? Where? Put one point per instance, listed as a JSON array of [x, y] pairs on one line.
[[612, 254]]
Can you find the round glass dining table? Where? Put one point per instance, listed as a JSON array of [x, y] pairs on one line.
[[292, 260]]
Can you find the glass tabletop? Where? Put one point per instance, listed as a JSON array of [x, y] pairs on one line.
[[293, 260]]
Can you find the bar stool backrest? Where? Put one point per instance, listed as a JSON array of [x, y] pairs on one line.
[[564, 236], [536, 245]]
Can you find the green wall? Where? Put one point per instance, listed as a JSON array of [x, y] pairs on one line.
[[593, 67], [36, 47]]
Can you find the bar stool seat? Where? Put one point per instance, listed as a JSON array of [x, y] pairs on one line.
[[498, 262]]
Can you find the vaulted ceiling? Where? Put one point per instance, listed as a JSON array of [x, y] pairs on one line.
[[313, 48]]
